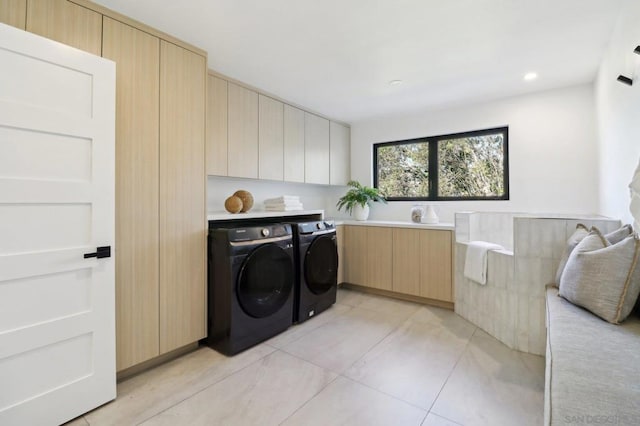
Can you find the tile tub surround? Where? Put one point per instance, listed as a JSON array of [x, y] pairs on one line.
[[511, 305], [404, 363]]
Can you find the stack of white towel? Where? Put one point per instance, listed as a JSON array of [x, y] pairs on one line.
[[284, 203]]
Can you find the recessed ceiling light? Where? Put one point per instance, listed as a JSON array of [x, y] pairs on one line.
[[530, 76], [395, 82]]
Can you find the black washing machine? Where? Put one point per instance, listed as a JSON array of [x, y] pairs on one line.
[[316, 268], [251, 285]]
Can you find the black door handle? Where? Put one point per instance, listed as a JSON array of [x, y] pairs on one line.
[[99, 253]]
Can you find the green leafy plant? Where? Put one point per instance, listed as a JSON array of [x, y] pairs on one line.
[[359, 195]]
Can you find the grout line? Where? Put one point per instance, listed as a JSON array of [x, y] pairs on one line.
[[466, 346], [310, 399], [221, 379]]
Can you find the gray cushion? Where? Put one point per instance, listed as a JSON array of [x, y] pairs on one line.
[[619, 234], [580, 232], [592, 367], [602, 277]]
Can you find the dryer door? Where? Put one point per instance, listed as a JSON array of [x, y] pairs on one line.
[[265, 281], [321, 264]]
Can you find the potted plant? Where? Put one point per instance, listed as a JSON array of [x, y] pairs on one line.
[[358, 199]]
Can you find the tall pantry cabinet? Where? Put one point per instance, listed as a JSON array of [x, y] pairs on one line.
[[160, 249], [137, 55]]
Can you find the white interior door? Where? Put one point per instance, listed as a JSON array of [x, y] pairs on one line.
[[57, 308]]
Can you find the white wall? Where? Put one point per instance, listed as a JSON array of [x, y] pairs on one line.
[[312, 196], [552, 151], [618, 108]]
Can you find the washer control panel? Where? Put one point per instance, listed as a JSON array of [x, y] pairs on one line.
[[256, 233]]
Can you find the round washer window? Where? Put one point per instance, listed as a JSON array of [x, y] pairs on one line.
[[321, 264], [265, 281]]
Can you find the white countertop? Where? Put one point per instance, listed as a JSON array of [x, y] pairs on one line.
[[396, 224], [256, 214]]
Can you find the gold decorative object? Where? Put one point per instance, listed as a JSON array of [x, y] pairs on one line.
[[247, 199], [233, 204]]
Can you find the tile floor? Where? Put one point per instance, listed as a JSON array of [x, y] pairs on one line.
[[368, 360]]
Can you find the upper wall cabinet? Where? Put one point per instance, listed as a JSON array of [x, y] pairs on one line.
[[243, 132], [340, 154], [67, 23], [316, 149], [293, 144], [253, 135], [271, 139], [13, 12], [217, 126]]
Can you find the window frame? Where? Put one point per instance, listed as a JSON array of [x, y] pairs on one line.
[[432, 141]]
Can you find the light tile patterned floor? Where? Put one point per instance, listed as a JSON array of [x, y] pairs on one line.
[[369, 360]]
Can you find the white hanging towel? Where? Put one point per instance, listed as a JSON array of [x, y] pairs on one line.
[[475, 264]]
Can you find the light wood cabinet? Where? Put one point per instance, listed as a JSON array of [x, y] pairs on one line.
[[355, 255], [182, 197], [137, 55], [316, 149], [293, 144], [400, 261], [339, 154], [436, 265], [340, 244], [367, 256], [252, 135], [14, 13], [270, 138], [379, 260], [67, 23], [217, 116], [406, 261], [243, 132], [422, 263]]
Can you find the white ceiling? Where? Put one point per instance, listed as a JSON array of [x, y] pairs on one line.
[[337, 57]]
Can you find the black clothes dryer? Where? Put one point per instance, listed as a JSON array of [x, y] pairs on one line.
[[251, 285], [316, 268]]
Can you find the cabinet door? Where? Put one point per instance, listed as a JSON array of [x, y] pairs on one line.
[[355, 255], [340, 154], [243, 132], [137, 55], [217, 116], [379, 257], [293, 144], [316, 149], [340, 244], [435, 273], [270, 138], [182, 197], [67, 23], [406, 261], [13, 12]]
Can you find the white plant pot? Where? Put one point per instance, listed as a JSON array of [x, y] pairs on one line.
[[360, 213]]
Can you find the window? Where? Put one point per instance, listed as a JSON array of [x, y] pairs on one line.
[[462, 166]]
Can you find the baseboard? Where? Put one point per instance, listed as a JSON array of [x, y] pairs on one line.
[[154, 362], [407, 297]]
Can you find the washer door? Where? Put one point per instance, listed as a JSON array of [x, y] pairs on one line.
[[265, 281], [321, 264]]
